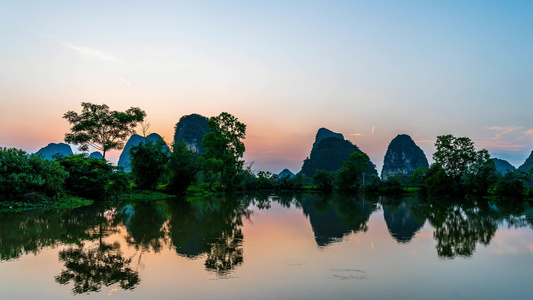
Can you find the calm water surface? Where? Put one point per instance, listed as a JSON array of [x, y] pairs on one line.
[[270, 247]]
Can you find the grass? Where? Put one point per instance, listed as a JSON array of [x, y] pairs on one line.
[[66, 203], [143, 195]]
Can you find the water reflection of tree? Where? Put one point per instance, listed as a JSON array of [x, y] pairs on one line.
[[90, 268], [29, 232], [144, 223], [459, 227], [212, 228], [225, 252]]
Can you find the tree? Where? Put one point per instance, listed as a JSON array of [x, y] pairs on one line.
[[224, 148], [457, 155], [437, 182], [91, 178], [182, 168], [323, 180], [101, 128], [351, 172], [24, 176], [148, 161], [481, 175], [512, 185]]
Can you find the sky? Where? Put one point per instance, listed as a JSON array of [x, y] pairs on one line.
[[367, 69]]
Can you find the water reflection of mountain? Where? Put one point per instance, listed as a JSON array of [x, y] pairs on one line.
[[144, 222], [334, 216], [403, 221], [212, 228]]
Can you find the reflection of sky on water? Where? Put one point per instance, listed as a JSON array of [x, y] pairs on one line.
[[282, 259]]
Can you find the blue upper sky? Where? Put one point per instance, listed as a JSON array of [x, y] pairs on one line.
[[368, 69]]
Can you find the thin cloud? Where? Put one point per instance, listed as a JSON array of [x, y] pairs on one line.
[[503, 131], [123, 80], [528, 132], [424, 141], [85, 51], [501, 146], [355, 134]]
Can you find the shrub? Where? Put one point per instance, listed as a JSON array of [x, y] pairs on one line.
[[182, 168], [148, 161], [511, 185], [323, 180], [22, 174], [92, 178]]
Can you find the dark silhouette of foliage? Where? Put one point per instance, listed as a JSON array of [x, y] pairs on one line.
[[323, 180], [482, 175], [457, 154], [182, 168], [22, 174], [147, 161], [438, 183], [224, 149], [512, 185], [101, 128], [349, 175], [91, 178]]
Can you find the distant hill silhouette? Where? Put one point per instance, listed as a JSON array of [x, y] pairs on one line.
[[96, 154], [330, 153], [403, 157], [124, 159], [53, 148], [285, 172], [528, 164], [503, 166], [324, 133], [191, 129]]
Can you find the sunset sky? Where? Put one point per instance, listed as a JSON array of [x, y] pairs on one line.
[[367, 69]]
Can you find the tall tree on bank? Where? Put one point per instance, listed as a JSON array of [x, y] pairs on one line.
[[349, 175], [101, 128], [457, 155], [224, 148]]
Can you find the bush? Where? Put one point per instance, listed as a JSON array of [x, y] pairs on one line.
[[392, 186], [148, 161], [511, 185], [323, 180], [92, 178], [438, 183], [22, 174], [182, 168]]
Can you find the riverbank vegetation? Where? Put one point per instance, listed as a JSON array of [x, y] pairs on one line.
[[459, 170]]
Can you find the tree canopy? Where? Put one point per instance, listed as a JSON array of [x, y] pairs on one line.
[[101, 128], [224, 148], [457, 154]]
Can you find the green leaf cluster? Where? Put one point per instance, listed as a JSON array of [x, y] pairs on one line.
[[148, 161], [224, 149], [101, 128], [92, 178], [22, 174]]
